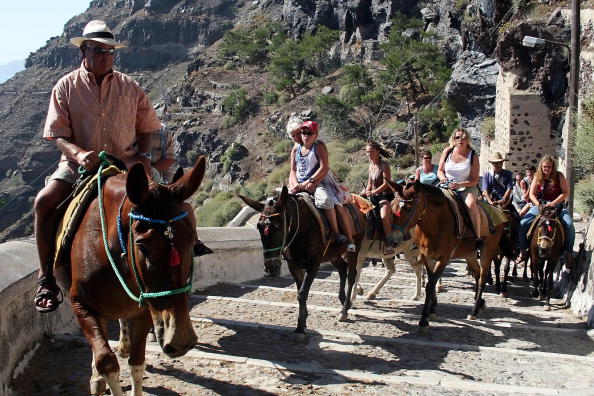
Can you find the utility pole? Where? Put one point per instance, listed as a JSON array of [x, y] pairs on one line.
[[416, 142], [574, 78]]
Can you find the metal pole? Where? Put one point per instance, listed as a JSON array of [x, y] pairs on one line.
[[574, 78]]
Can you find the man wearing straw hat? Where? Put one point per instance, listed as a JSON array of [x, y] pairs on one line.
[[92, 109], [498, 183]]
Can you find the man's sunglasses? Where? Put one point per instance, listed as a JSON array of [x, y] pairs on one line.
[[101, 51], [307, 133], [426, 157]]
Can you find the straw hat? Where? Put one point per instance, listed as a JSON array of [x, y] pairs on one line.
[[497, 157], [97, 31]]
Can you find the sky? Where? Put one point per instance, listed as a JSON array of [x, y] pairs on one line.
[[25, 25]]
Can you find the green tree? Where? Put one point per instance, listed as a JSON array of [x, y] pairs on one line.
[[237, 105]]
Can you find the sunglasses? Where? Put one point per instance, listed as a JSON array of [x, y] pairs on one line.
[[426, 157], [307, 133], [101, 51], [459, 137]]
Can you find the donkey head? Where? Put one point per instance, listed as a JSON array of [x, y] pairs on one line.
[[404, 207], [162, 234], [547, 230], [273, 229]]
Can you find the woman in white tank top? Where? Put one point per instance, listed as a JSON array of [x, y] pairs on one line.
[[459, 167]]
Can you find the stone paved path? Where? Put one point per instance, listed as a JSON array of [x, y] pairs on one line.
[[246, 345]]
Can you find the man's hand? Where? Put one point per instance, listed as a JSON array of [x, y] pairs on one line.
[[89, 160]]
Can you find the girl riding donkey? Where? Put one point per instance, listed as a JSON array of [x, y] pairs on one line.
[[309, 173], [378, 190]]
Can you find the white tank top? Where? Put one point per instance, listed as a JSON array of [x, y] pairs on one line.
[[306, 165], [458, 171]]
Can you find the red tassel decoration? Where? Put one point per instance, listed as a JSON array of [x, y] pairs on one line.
[[398, 213], [266, 231], [174, 260], [549, 228]]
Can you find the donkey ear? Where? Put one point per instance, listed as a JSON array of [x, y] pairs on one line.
[[188, 183], [417, 186], [178, 174], [282, 197], [137, 184], [257, 206]]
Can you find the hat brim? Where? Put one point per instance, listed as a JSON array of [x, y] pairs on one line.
[[77, 41], [497, 160]]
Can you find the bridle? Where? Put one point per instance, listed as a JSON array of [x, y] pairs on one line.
[[403, 228], [286, 227], [174, 259]]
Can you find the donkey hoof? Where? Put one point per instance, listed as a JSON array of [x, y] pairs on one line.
[[547, 308], [439, 289], [343, 317], [300, 338], [370, 296], [423, 330], [504, 294], [359, 291], [416, 297], [471, 317], [98, 387], [541, 297], [432, 316]]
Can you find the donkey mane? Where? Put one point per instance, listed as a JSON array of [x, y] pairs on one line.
[[434, 194]]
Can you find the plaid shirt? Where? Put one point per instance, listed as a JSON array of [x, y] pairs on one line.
[[99, 118], [161, 144]]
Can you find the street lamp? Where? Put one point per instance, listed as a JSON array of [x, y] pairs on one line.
[[530, 41]]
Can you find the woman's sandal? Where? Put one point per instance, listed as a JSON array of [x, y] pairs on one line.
[[47, 290], [351, 248], [522, 257]]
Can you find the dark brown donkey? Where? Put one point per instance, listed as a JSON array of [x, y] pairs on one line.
[[288, 228], [131, 258], [546, 245], [426, 207]]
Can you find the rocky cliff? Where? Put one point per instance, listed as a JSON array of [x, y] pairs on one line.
[[172, 53]]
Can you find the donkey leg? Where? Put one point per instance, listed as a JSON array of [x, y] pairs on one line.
[[497, 262], [390, 269], [352, 276], [105, 362], [480, 279], [124, 341], [357, 291], [97, 384], [505, 276], [138, 330], [302, 296], [417, 266], [429, 298], [341, 266]]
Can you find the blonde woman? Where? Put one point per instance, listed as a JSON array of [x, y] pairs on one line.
[[459, 168], [549, 187]]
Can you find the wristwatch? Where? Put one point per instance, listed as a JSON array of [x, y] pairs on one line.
[[312, 180], [146, 155]]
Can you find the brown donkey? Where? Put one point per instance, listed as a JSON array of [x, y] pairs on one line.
[[131, 259], [546, 245], [426, 207], [289, 229]]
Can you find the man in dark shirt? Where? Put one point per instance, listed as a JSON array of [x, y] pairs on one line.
[[498, 183]]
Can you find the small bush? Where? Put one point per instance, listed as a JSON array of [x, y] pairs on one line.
[[584, 195], [404, 160], [269, 98], [356, 180], [255, 191], [283, 98], [229, 65], [283, 147], [278, 177], [237, 105], [191, 156], [218, 211], [353, 145], [488, 129]]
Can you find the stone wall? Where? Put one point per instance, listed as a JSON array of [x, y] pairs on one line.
[[237, 257]]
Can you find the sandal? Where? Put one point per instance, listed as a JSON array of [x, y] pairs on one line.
[[47, 290], [522, 257], [388, 250], [340, 239], [351, 248]]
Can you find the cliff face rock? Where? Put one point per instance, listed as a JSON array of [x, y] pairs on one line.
[[172, 52]]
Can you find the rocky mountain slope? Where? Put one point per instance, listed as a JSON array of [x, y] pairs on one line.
[[173, 54]]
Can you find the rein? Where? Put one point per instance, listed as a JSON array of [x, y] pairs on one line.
[[132, 216], [416, 201], [284, 246]]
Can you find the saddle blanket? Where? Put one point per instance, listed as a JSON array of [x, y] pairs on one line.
[[82, 197], [491, 216]]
